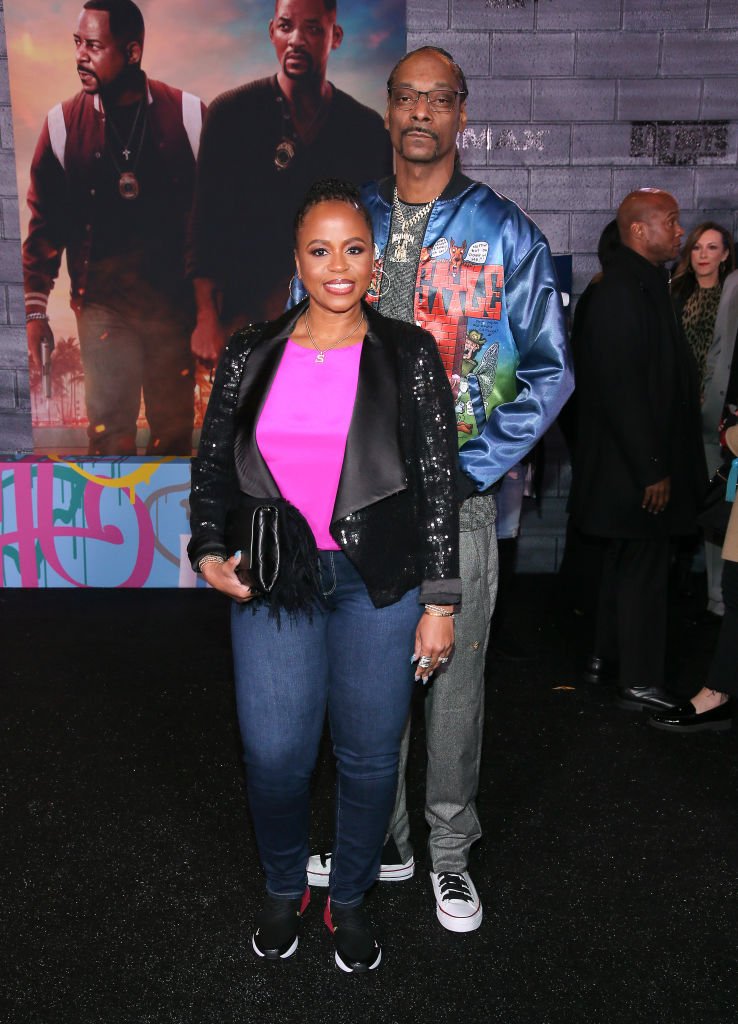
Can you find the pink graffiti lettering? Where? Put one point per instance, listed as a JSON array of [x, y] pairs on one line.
[[35, 525]]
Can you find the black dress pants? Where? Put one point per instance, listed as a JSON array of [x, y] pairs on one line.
[[723, 674], [632, 608]]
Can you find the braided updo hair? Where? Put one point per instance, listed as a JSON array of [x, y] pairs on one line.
[[331, 190]]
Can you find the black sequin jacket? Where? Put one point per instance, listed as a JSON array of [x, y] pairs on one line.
[[396, 510]]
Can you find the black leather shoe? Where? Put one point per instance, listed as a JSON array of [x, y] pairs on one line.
[[598, 670], [686, 719], [646, 698]]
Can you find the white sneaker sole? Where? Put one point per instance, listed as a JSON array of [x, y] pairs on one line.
[[350, 970], [397, 872], [453, 923], [282, 956], [319, 878], [387, 873]]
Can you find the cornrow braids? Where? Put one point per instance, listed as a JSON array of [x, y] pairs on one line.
[[331, 190], [439, 52]]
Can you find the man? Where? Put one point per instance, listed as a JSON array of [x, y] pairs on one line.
[[263, 145], [112, 182], [639, 469], [500, 284]]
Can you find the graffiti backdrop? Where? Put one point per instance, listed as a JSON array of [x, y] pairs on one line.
[[121, 523]]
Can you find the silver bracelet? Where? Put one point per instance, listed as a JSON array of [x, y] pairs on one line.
[[35, 316], [438, 611], [210, 558]]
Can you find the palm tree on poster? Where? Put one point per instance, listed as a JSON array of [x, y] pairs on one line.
[[39, 404], [66, 376]]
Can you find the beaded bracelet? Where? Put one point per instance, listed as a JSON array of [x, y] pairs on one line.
[[35, 316], [210, 558], [438, 611]]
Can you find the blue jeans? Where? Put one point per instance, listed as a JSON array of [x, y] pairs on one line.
[[354, 660]]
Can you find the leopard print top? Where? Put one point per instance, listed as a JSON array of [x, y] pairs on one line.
[[698, 321]]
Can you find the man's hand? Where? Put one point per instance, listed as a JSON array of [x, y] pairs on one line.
[[208, 338], [38, 333], [656, 496]]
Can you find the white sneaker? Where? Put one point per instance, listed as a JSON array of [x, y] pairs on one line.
[[392, 868], [318, 869], [458, 906]]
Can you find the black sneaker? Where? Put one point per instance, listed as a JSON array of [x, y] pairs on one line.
[[277, 926], [357, 951]]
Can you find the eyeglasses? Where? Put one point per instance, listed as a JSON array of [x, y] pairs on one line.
[[441, 101]]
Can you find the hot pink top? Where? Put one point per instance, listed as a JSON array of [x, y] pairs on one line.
[[303, 427]]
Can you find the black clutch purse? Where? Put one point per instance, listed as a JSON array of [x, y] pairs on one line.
[[279, 557], [254, 531]]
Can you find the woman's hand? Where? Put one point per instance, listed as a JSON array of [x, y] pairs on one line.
[[434, 639], [222, 576]]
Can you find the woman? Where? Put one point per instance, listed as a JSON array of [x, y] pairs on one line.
[[708, 257], [348, 416], [712, 708]]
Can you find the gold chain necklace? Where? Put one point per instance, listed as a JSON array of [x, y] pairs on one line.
[[403, 238], [320, 358], [128, 184]]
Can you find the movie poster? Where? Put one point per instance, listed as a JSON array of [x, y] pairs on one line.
[[161, 151]]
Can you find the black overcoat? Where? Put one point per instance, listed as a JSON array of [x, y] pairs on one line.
[[638, 408]]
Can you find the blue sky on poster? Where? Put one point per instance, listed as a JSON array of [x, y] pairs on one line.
[[204, 48]]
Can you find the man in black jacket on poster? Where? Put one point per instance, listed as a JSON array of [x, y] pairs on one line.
[[264, 143], [639, 470]]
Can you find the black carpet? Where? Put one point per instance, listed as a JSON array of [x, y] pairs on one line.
[[607, 869]]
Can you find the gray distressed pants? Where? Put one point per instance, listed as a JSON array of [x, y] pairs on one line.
[[454, 707]]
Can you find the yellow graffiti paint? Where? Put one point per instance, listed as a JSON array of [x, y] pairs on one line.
[[141, 475]]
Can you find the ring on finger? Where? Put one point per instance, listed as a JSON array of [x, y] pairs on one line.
[[443, 661], [425, 661]]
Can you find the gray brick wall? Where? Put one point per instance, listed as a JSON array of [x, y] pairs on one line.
[[15, 407], [557, 83]]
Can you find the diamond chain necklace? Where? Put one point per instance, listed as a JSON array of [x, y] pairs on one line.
[[404, 237]]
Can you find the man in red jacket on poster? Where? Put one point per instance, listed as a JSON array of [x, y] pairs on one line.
[[112, 182]]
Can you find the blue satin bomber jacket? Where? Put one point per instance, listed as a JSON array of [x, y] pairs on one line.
[[487, 290]]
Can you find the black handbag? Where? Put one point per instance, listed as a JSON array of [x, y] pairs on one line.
[[254, 531]]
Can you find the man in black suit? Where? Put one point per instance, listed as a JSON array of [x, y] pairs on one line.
[[639, 472]]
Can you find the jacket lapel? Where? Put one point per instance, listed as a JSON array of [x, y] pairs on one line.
[[260, 370], [373, 464]]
